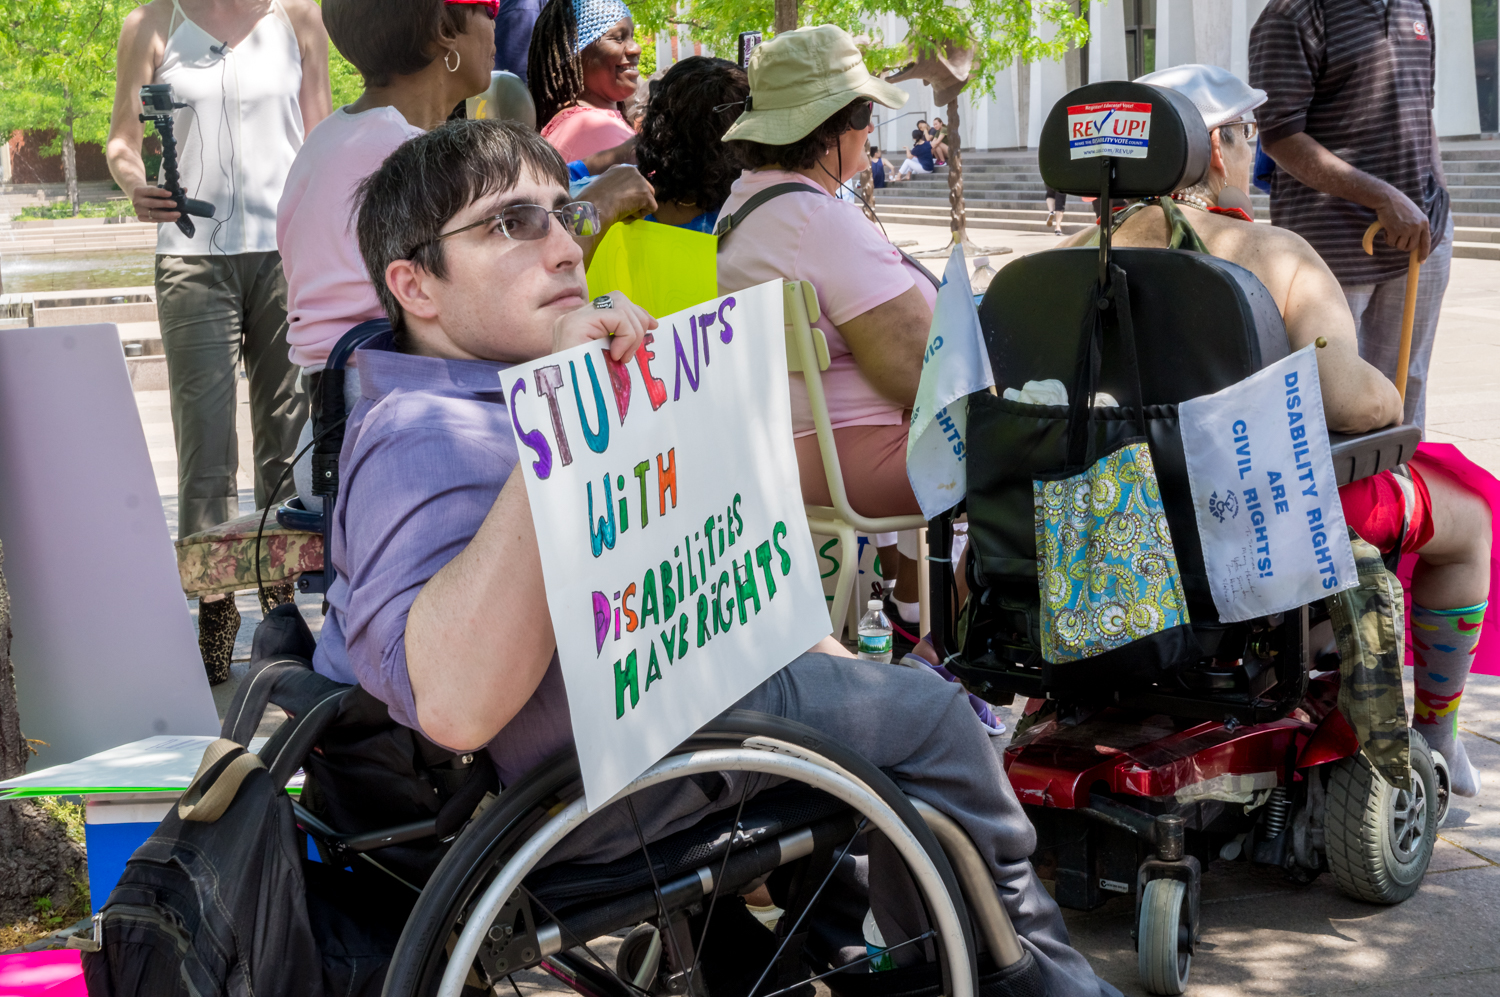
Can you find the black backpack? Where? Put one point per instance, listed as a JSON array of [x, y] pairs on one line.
[[222, 898]]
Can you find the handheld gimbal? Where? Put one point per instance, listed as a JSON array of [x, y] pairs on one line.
[[157, 105]]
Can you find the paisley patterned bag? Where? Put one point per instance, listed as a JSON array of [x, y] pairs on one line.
[[1106, 567]]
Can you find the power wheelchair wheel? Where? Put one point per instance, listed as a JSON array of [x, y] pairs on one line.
[[1380, 838], [1164, 937], [1444, 786], [486, 912]]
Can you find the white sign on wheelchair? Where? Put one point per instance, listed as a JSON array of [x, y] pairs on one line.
[[1109, 128], [1264, 492], [679, 569]]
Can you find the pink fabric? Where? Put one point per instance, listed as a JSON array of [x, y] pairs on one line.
[[1445, 458], [582, 130], [328, 289], [53, 973], [819, 238]]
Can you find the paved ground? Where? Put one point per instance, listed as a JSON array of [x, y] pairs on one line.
[[1262, 936]]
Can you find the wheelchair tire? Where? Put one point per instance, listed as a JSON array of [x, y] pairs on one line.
[[486, 844], [1380, 838], [1162, 954]]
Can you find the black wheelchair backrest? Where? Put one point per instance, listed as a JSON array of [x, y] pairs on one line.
[[1177, 148]]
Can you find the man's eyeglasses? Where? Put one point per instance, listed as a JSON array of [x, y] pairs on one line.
[[1247, 128], [492, 6], [529, 222]]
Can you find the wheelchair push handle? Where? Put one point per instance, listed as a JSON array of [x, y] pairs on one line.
[[1408, 314]]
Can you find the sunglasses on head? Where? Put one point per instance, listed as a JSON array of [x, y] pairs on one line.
[[491, 6], [529, 222]]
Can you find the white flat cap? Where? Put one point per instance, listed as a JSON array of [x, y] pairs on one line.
[[1220, 96]]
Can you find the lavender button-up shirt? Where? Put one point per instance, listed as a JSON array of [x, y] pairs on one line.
[[426, 451]]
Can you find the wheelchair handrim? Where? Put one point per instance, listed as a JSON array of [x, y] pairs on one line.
[[842, 787]]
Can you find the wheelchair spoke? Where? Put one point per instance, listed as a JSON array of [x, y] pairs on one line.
[[929, 933], [718, 882], [661, 901], [569, 932], [809, 905]]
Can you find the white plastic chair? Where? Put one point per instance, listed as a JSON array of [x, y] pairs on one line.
[[807, 354]]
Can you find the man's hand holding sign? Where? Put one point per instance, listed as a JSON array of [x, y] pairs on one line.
[[663, 487]]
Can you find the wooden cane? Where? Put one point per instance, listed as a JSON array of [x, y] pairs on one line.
[[1408, 315]]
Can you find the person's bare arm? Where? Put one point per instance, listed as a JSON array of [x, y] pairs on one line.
[[315, 98], [1310, 162], [479, 635], [622, 154], [1356, 397], [142, 38], [888, 342]]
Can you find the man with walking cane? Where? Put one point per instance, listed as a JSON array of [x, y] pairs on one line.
[[1348, 121]]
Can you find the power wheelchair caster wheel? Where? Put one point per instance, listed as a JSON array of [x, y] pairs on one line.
[[1444, 787], [1164, 937], [1380, 838]]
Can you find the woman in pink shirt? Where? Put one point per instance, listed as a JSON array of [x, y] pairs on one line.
[[876, 304], [582, 67]]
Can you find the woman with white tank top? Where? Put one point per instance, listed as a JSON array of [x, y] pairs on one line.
[[251, 77]]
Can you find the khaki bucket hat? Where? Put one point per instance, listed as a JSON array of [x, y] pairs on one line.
[[801, 77]]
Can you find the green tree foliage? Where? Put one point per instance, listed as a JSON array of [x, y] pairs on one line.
[[1001, 31], [342, 77], [57, 62]]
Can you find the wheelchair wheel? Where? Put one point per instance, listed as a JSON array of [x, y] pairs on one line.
[[479, 919], [1380, 838], [1163, 937]]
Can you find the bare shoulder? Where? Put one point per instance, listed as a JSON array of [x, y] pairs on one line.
[[148, 23], [306, 17]]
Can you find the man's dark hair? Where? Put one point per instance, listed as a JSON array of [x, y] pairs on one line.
[[386, 38], [804, 152], [554, 70], [681, 149], [407, 203]]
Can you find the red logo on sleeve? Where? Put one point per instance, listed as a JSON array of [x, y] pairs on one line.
[[1419, 28]]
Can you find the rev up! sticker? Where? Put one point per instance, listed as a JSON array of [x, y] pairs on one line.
[[1109, 128]]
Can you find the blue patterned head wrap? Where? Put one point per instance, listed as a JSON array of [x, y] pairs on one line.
[[596, 17]]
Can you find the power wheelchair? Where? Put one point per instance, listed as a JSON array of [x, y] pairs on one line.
[[1139, 770], [430, 879]]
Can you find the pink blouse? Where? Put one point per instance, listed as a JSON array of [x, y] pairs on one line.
[[582, 130]]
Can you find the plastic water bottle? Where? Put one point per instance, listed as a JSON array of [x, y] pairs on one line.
[[875, 946], [875, 640], [983, 274]]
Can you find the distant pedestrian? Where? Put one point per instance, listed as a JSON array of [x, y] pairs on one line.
[[1057, 203], [918, 156], [250, 79], [938, 136], [877, 167], [1348, 120]]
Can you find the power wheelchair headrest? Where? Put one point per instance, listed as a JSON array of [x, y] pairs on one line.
[[1155, 138]]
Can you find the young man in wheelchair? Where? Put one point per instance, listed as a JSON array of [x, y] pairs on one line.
[[1424, 510], [438, 606]]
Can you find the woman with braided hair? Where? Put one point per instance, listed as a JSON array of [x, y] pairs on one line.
[[582, 67]]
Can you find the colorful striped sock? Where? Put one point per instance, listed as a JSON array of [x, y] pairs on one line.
[[1443, 644]]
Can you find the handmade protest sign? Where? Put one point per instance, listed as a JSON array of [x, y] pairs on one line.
[[679, 569], [1264, 492]]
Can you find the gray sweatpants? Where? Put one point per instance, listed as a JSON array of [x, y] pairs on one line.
[[923, 733], [1378, 309], [214, 311]]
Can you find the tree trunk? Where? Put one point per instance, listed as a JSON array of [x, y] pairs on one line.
[[70, 162], [957, 221], [786, 16], [37, 858]]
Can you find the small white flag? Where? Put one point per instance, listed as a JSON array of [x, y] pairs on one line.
[[956, 365]]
